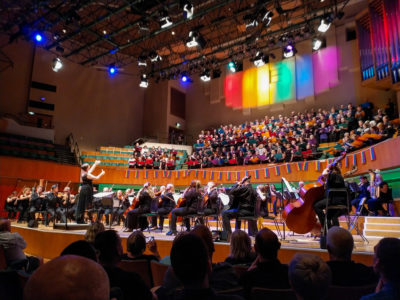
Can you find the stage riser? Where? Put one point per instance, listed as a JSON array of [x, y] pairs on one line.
[[382, 227], [382, 220], [378, 233], [395, 227]]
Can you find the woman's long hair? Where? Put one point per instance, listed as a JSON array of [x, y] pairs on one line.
[[240, 246]]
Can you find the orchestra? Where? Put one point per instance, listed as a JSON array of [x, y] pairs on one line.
[[369, 196]]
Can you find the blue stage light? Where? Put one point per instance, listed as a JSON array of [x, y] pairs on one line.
[[184, 78], [38, 38], [112, 70]]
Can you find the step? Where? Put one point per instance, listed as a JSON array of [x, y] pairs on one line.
[[382, 233], [383, 227], [382, 220]]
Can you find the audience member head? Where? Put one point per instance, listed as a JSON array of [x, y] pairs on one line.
[[387, 259], [5, 225], [68, 277], [339, 243], [93, 230], [80, 248], [190, 261], [267, 244], [108, 243], [205, 234], [240, 244], [136, 243], [309, 276]]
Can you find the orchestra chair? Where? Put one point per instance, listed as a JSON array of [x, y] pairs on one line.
[[158, 271], [335, 192], [281, 294], [349, 292], [140, 267]]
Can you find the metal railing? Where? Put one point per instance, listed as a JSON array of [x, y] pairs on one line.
[[74, 147]]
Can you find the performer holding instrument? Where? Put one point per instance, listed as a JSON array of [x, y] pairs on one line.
[[86, 193], [141, 205], [36, 204], [22, 203], [211, 199], [9, 205], [165, 205], [191, 198]]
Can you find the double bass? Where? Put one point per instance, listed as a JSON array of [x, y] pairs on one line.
[[300, 216]]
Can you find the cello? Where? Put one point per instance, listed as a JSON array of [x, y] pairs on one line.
[[300, 216]]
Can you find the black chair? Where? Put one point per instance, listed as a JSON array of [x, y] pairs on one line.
[[342, 208]]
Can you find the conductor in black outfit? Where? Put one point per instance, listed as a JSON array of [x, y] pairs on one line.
[[334, 179], [192, 196], [86, 193], [246, 197]]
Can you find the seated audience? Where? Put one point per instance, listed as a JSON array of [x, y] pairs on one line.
[[387, 265], [14, 244], [108, 243], [192, 266], [81, 248], [266, 271], [68, 277], [93, 229], [309, 277], [240, 249], [136, 245], [346, 272]]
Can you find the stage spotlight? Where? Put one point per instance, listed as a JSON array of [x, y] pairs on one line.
[[142, 61], [144, 83], [165, 20], [267, 17], [184, 78], [39, 37], [178, 125], [250, 21], [154, 57], [289, 50], [325, 24], [195, 39], [56, 64], [260, 59], [188, 10], [31, 113], [317, 44], [205, 75], [112, 70]]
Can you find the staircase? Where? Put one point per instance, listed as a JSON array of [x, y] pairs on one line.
[[64, 155], [382, 227]]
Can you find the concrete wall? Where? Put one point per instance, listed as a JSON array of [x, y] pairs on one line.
[[97, 109]]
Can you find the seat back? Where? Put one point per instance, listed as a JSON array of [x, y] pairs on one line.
[[349, 293], [158, 271], [140, 267], [281, 294], [3, 261]]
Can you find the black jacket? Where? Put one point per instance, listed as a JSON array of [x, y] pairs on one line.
[[247, 197]]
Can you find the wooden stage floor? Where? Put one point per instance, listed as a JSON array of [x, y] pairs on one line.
[[48, 243]]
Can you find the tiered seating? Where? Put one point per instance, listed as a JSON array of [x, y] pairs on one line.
[[120, 157], [27, 147]]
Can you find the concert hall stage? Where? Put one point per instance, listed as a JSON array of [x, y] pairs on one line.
[[48, 243]]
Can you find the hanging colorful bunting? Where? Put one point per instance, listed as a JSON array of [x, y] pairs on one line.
[[155, 174], [288, 170], [237, 175], [299, 167], [317, 165], [247, 173], [354, 159], [204, 174], [256, 175], [220, 176], [165, 174], [266, 173], [197, 173], [363, 158], [127, 174], [212, 175], [228, 175], [146, 174], [137, 174], [188, 172], [277, 172], [346, 161], [177, 174], [169, 174], [305, 167], [372, 153]]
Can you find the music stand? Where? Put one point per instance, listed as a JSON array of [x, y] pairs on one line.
[[106, 199]]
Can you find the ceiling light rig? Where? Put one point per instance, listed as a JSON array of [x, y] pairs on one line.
[[56, 64], [142, 61], [144, 82], [154, 57], [325, 24], [165, 19], [260, 59], [205, 75], [195, 40], [188, 9], [289, 50]]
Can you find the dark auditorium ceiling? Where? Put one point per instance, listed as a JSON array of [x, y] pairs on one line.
[[107, 32]]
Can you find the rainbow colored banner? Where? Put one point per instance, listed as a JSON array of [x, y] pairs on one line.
[[299, 166], [185, 173], [247, 173], [156, 174], [346, 161], [372, 153], [169, 174], [363, 158], [220, 176], [228, 175], [290, 79], [212, 175], [354, 159], [288, 170], [305, 166], [137, 174], [177, 174], [204, 174], [197, 173], [277, 172], [237, 175], [317, 165], [146, 174], [256, 174], [266, 173], [127, 174], [188, 172]]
